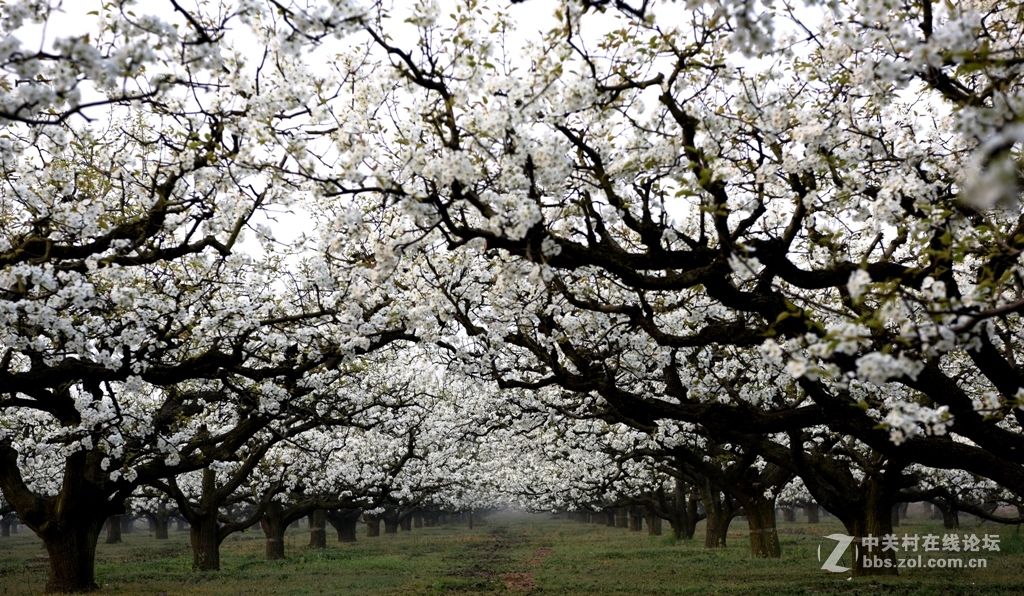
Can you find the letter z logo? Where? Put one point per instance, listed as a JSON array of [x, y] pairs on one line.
[[831, 563]]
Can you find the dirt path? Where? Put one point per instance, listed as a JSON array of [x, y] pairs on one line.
[[489, 561]]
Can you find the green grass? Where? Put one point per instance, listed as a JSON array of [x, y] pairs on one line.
[[510, 554]]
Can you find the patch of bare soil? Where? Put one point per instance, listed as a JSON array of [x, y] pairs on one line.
[[538, 557], [519, 582]]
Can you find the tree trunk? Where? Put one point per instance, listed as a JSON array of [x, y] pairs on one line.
[[114, 529], [636, 520], [127, 524], [653, 525], [73, 557], [716, 527], [391, 523], [719, 511], [204, 536], [788, 514], [406, 523], [895, 515], [950, 516], [318, 529], [160, 529], [274, 527], [5, 528], [812, 513], [764, 538], [621, 517], [875, 519], [181, 524], [344, 521], [159, 520], [69, 523], [372, 525], [609, 515], [417, 519], [692, 517]]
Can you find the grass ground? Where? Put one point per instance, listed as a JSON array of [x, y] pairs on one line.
[[515, 554]]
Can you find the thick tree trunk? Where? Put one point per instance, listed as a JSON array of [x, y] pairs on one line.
[[950, 516], [318, 529], [127, 523], [69, 523], [875, 519], [621, 517], [609, 515], [160, 529], [158, 521], [372, 525], [716, 527], [406, 523], [181, 524], [812, 513], [653, 525], [274, 527], [636, 520], [204, 536], [764, 538], [719, 513], [344, 522], [788, 514], [391, 524], [5, 527], [417, 519], [73, 557], [114, 529]]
